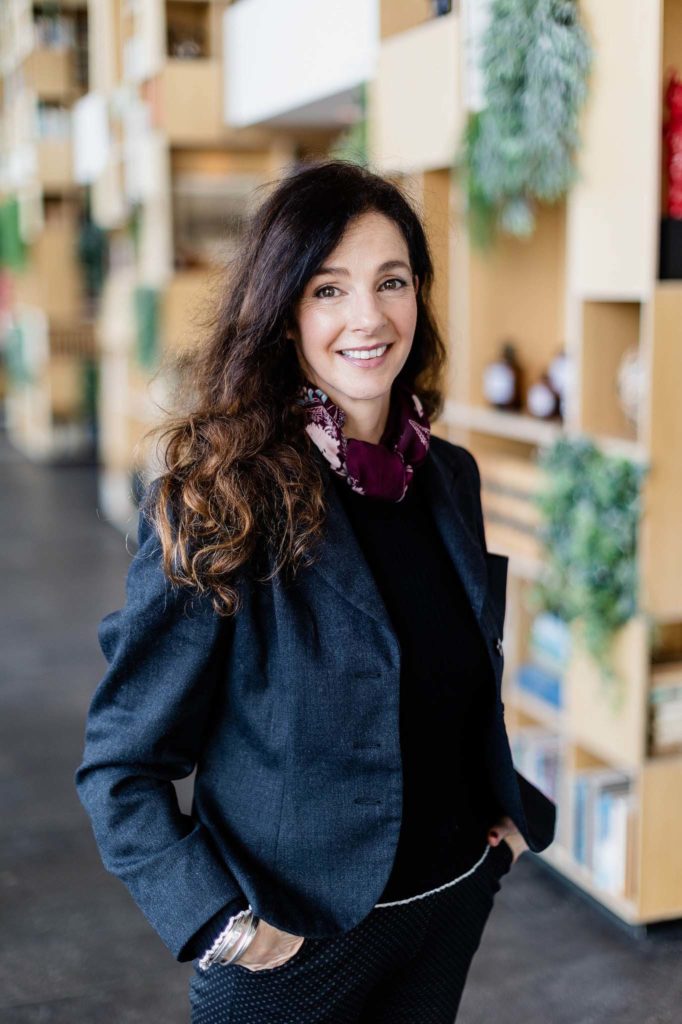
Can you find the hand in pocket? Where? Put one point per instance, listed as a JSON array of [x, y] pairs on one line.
[[506, 829], [270, 947]]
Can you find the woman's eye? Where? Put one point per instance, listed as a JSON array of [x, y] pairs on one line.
[[331, 287], [324, 288]]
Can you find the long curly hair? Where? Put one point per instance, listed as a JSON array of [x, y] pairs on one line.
[[242, 487]]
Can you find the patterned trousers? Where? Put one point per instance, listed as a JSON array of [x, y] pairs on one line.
[[404, 963]]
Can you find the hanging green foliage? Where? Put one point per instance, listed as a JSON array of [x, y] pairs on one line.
[[536, 59], [12, 247], [147, 312], [590, 508]]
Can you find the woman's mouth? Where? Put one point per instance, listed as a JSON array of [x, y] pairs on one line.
[[366, 357]]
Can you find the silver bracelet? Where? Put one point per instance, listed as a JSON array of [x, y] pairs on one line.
[[244, 939], [232, 941]]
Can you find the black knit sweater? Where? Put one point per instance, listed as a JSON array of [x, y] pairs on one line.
[[446, 690]]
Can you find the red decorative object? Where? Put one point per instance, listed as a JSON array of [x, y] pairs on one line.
[[672, 134]]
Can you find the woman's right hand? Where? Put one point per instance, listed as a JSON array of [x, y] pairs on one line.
[[269, 947], [506, 829]]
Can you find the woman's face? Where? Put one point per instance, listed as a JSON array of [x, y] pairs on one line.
[[364, 300]]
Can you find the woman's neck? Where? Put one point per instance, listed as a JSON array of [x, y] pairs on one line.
[[366, 419]]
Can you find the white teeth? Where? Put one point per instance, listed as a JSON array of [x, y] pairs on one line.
[[371, 353]]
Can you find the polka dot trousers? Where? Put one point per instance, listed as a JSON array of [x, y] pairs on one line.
[[404, 963]]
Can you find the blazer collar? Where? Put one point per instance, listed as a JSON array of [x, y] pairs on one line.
[[340, 559]]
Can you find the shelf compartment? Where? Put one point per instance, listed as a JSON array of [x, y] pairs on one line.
[[190, 107], [51, 72], [617, 736], [609, 330]]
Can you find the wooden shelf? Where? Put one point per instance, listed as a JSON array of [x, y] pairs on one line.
[[518, 426], [540, 711], [527, 429]]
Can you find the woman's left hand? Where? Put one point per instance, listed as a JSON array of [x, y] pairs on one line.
[[506, 829], [270, 947]]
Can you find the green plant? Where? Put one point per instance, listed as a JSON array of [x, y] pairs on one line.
[[535, 61], [12, 248], [352, 143], [590, 508]]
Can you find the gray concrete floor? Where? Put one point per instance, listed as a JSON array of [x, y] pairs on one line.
[[75, 948]]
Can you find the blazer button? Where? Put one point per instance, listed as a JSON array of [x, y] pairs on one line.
[[499, 646]]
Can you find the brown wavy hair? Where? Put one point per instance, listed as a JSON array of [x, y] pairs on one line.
[[241, 486]]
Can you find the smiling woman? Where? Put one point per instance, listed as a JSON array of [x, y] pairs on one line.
[[314, 625]]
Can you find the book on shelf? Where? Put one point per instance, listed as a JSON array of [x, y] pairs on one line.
[[603, 813], [665, 710], [542, 674]]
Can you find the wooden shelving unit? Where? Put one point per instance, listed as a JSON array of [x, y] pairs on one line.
[[42, 75], [586, 283]]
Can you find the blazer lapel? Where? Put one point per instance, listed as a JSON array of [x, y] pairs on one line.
[[341, 562], [447, 489]]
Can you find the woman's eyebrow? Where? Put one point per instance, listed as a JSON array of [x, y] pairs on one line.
[[389, 265]]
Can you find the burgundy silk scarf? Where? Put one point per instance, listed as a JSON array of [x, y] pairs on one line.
[[382, 470]]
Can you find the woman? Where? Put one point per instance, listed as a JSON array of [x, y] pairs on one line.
[[313, 622]]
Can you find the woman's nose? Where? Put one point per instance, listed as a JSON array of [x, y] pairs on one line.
[[366, 313]]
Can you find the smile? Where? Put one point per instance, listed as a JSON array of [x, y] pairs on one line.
[[367, 356]]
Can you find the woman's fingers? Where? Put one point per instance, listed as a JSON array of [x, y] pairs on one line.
[[270, 947], [506, 829], [517, 843]]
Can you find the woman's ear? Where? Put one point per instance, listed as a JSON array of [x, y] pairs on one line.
[[416, 284], [290, 331]]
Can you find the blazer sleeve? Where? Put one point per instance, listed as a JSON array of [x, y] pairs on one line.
[[539, 809], [145, 726]]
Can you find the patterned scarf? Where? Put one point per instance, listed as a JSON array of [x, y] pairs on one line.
[[382, 470]]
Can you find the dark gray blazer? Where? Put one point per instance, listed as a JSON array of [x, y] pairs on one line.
[[289, 711]]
